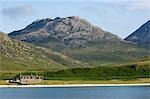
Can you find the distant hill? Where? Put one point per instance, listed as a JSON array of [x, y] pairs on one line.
[[18, 56], [79, 39], [141, 36]]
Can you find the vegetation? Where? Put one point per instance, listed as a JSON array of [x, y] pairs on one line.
[[100, 73], [135, 81], [125, 72]]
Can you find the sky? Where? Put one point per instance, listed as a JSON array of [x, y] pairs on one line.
[[120, 17]]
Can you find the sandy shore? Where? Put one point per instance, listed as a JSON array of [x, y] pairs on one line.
[[72, 85]]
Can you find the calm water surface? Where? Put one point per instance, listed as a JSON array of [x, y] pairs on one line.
[[76, 93]]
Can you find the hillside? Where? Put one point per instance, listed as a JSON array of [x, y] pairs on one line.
[[141, 36], [18, 56], [79, 39]]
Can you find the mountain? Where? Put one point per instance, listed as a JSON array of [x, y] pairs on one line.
[[66, 32], [16, 55], [79, 39], [141, 36], [36, 25]]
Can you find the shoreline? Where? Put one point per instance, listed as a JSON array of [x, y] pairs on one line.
[[71, 85]]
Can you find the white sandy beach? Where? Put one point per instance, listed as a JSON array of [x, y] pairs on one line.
[[73, 85]]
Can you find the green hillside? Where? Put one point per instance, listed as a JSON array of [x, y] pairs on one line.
[[18, 56], [101, 53]]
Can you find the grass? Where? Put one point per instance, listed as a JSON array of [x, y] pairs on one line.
[[137, 81], [61, 82]]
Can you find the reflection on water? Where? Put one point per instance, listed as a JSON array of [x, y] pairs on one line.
[[76, 93]]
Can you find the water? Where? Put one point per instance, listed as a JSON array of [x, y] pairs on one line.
[[76, 93]]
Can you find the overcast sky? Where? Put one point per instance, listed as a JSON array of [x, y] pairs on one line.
[[120, 17]]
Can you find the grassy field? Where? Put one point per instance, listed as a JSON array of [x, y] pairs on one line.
[[137, 81], [61, 82]]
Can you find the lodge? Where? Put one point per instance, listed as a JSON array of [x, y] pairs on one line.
[[27, 79]]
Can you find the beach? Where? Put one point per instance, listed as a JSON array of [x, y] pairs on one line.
[[72, 85]]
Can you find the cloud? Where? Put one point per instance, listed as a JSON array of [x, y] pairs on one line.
[[19, 11], [119, 6], [132, 5], [140, 5]]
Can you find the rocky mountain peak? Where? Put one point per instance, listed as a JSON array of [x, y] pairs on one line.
[[57, 18], [42, 20], [34, 26], [141, 36], [71, 31]]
